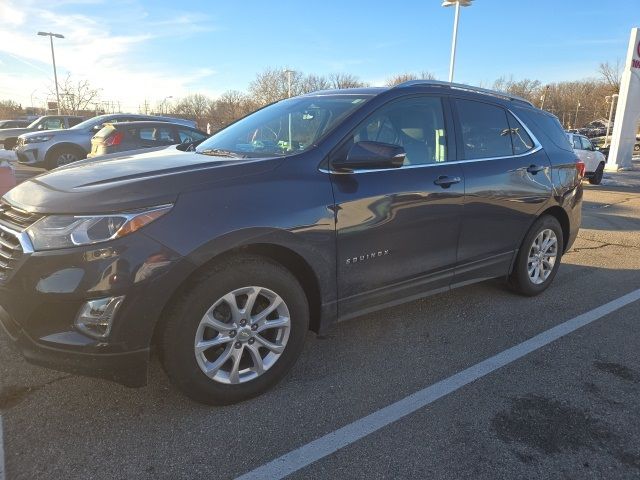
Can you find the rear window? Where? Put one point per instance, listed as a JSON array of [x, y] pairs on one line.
[[105, 131], [550, 126]]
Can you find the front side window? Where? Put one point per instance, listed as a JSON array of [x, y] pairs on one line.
[[485, 130], [285, 128], [52, 124], [586, 144], [415, 124], [190, 136]]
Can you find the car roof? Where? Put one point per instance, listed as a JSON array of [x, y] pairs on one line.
[[151, 123]]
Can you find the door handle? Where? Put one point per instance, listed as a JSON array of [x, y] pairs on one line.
[[446, 182], [534, 169]]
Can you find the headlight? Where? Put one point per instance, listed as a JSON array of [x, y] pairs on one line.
[[64, 231], [37, 139]]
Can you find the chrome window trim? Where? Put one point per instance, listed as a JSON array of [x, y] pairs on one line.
[[22, 237], [537, 146]]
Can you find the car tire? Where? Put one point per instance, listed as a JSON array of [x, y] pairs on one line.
[[532, 273], [228, 372], [61, 156], [636, 148], [596, 178]]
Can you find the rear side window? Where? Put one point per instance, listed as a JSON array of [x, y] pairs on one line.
[[576, 143], [485, 130], [162, 135], [190, 136], [73, 121], [521, 140]]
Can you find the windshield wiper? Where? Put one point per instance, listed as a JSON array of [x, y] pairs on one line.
[[218, 152]]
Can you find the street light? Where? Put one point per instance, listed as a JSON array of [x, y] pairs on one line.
[[612, 99], [458, 4], [289, 72], [164, 104], [575, 119], [53, 56]]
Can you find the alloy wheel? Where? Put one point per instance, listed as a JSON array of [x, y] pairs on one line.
[[66, 158], [542, 256], [242, 335]]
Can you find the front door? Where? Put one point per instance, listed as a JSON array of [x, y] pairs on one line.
[[397, 229], [508, 181]]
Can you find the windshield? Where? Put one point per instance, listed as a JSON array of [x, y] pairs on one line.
[[35, 123], [91, 122], [284, 128]]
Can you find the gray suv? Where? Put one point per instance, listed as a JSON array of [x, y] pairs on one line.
[[54, 148], [9, 136]]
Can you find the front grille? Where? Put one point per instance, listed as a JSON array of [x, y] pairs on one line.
[[13, 222], [15, 218]]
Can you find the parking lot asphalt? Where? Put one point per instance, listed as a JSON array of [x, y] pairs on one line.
[[568, 410]]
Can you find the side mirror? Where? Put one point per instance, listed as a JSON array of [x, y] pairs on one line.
[[371, 155]]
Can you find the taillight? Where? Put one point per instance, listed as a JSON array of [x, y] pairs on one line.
[[115, 139], [581, 167]]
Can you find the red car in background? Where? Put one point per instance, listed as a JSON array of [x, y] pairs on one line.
[[7, 178]]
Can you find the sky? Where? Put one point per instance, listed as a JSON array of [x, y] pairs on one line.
[[137, 50]]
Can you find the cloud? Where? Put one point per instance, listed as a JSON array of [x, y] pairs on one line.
[[99, 49]]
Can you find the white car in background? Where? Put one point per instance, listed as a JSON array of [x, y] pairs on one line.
[[593, 159]]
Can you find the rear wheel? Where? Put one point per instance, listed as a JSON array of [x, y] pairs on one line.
[[63, 156], [538, 258], [236, 331]]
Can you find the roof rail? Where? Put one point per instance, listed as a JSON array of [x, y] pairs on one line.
[[460, 86]]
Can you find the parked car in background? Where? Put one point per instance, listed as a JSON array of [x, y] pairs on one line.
[[604, 149], [313, 210], [7, 178], [9, 136], [593, 159], [14, 124], [55, 148], [122, 137]]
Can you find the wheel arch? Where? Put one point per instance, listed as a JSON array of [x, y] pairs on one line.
[[288, 258], [61, 145], [563, 218]]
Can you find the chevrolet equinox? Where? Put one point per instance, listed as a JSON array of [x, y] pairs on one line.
[[307, 212]]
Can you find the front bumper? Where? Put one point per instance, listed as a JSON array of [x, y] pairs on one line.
[[39, 303], [30, 154]]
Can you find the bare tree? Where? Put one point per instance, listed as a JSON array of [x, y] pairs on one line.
[[272, 85], [611, 74], [345, 80], [195, 106], [407, 76], [526, 88], [9, 109], [231, 106], [76, 95]]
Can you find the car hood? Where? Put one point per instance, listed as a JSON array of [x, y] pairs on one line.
[[13, 132], [35, 133], [127, 182]]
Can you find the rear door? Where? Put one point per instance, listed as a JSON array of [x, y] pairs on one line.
[[397, 228], [508, 181]]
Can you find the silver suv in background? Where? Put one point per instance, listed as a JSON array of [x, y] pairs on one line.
[[54, 148], [9, 136]]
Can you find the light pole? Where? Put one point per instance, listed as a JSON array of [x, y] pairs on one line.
[[575, 119], [164, 104], [458, 4], [612, 99], [289, 72], [53, 56]]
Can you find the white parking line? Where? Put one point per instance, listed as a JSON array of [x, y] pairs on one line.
[[1, 451], [334, 441]]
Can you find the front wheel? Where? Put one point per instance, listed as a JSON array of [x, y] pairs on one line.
[[596, 178], [236, 331], [63, 156], [538, 258]]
